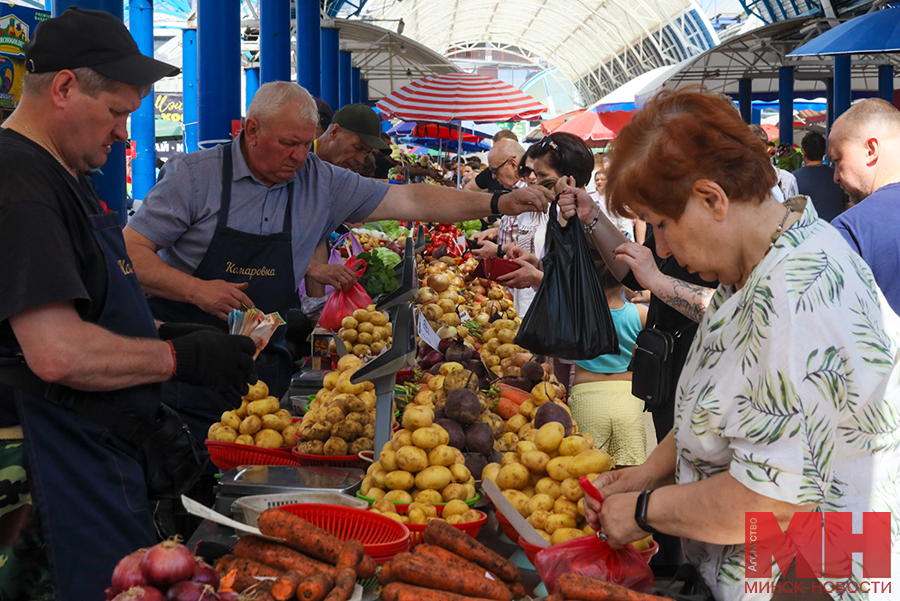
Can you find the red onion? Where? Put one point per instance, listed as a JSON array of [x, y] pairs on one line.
[[191, 591], [140, 593], [205, 574], [128, 572], [110, 593], [167, 563]]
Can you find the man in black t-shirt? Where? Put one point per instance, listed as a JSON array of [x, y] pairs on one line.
[[76, 336], [816, 179]]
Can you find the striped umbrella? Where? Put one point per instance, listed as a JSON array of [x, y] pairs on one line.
[[441, 98]]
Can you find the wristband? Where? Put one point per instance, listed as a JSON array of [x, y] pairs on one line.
[[500, 253], [640, 512], [174, 359], [495, 202], [590, 228]]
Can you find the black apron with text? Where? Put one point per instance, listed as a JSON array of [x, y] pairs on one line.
[[231, 254], [89, 491]]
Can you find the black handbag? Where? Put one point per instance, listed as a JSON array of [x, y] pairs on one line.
[[652, 367], [569, 317]]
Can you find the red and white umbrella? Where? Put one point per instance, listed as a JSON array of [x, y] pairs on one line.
[[442, 98]]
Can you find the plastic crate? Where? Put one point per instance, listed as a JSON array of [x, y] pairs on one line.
[[333, 460], [370, 500], [229, 455], [248, 509], [416, 530], [531, 550], [381, 537]]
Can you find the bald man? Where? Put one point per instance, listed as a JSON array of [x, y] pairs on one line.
[[864, 147], [503, 167]]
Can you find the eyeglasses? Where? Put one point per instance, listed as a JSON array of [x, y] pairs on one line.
[[494, 170], [525, 171]]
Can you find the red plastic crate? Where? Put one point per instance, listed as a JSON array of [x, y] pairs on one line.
[[229, 455], [381, 537]]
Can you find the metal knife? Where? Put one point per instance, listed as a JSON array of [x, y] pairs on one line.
[[524, 529]]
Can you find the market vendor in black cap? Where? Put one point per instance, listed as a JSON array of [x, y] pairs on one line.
[[354, 132], [81, 360]]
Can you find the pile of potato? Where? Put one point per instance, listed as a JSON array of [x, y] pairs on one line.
[[259, 422], [498, 343], [366, 332], [341, 419], [540, 479], [455, 512], [519, 425], [419, 465]]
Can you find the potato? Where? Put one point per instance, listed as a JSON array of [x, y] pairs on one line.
[[566, 507], [320, 431], [549, 436], [540, 502], [334, 415], [535, 461], [257, 391], [454, 492], [509, 458], [454, 519], [490, 472], [416, 516], [361, 418], [231, 419], [429, 510], [226, 434], [458, 456], [384, 506], [471, 493], [263, 406], [361, 444], [429, 497], [515, 422], [580, 506], [573, 445], [398, 496], [460, 473], [557, 521], [417, 416], [291, 435], [347, 430], [443, 435], [538, 519], [376, 493], [562, 535], [348, 363], [399, 480], [344, 384], [435, 477], [571, 490], [523, 446], [366, 485], [336, 446], [454, 508], [348, 335], [548, 486], [242, 410], [556, 468], [368, 397], [514, 475], [528, 491], [268, 439], [441, 455], [369, 431], [330, 380], [528, 432], [244, 439], [276, 421], [366, 327], [591, 532], [413, 459], [426, 438], [471, 515], [401, 438], [378, 477], [212, 430], [527, 409], [388, 460], [517, 499], [311, 447], [586, 462], [394, 516]]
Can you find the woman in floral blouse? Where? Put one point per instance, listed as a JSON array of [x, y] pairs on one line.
[[790, 397]]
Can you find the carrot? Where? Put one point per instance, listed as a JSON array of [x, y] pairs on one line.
[[397, 591], [343, 585], [315, 587], [442, 534], [227, 581], [516, 589], [556, 597], [422, 571], [278, 556], [444, 556], [573, 586], [505, 408], [385, 575], [307, 538], [285, 586], [245, 570], [351, 555]]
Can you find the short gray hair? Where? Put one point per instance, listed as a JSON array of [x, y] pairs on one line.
[[272, 96], [90, 82]]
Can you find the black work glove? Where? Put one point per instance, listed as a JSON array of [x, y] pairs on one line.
[[171, 331], [221, 361]]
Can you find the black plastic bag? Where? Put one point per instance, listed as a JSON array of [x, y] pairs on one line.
[[569, 317]]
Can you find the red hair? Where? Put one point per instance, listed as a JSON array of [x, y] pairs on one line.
[[680, 137]]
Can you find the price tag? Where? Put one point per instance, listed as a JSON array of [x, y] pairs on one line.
[[464, 316], [426, 333]]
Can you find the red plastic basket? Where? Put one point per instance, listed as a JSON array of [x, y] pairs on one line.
[[531, 550], [381, 537], [331, 460], [229, 455], [416, 530], [507, 528]]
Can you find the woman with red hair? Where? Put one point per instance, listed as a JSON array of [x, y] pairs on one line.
[[788, 401]]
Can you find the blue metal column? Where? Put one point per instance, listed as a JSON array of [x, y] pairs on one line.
[[345, 67], [218, 69], [786, 105], [274, 41], [109, 181], [841, 84], [745, 98], [886, 83], [364, 91], [143, 120], [829, 103], [355, 77], [189, 87], [251, 85], [309, 49], [331, 84]]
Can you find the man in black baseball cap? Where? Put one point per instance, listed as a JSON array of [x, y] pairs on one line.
[[354, 132], [84, 365]]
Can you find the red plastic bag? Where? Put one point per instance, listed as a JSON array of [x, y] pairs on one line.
[[590, 556], [341, 304]]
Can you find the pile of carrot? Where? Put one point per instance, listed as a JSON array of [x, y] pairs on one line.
[[574, 587], [450, 566], [312, 564]]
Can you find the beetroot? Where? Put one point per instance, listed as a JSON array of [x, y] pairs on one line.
[[476, 464], [463, 406], [479, 438], [457, 435], [551, 412]]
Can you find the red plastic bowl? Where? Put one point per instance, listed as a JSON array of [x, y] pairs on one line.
[[381, 537], [331, 460], [229, 455], [416, 530], [531, 550]]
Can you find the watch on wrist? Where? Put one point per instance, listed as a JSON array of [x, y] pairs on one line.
[[640, 512], [500, 253], [495, 202]]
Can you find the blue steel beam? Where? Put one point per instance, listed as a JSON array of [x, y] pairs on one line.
[[274, 40], [218, 69], [786, 105], [355, 77], [886, 82], [331, 83], [309, 49], [842, 91], [345, 70], [251, 85], [189, 87], [143, 120]]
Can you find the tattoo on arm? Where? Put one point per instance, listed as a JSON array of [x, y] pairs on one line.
[[688, 299]]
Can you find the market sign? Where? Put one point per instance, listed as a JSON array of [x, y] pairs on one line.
[[169, 107], [12, 70], [17, 25]]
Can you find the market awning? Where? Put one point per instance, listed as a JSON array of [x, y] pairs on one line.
[[872, 33]]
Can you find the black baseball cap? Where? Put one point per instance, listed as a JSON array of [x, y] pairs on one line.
[[95, 39], [363, 121]]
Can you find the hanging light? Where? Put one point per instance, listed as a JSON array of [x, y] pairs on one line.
[[400, 26]]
